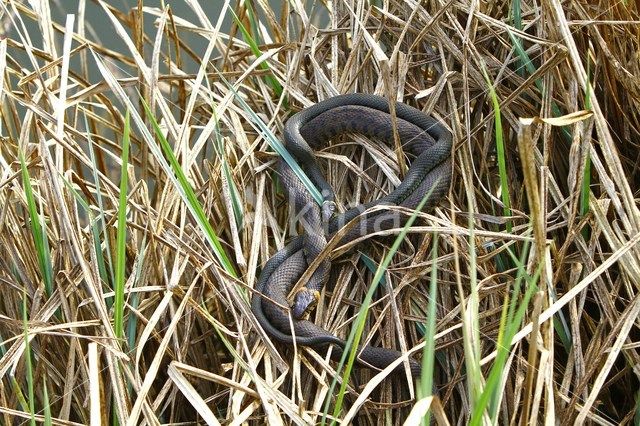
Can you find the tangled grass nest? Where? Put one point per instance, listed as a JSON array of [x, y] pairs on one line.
[[138, 201]]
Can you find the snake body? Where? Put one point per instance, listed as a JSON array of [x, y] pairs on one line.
[[429, 173]]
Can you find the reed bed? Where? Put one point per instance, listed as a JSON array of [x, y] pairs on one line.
[[139, 200]]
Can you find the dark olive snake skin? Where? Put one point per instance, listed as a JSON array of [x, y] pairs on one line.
[[429, 173]]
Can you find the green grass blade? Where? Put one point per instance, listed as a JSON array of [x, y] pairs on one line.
[[45, 400], [371, 266], [560, 324], [27, 356], [255, 48], [37, 230], [96, 230], [191, 197], [500, 150], [469, 311], [121, 241], [425, 385], [236, 202], [516, 10], [517, 286], [586, 177], [103, 266], [19, 395], [531, 69], [353, 341], [276, 144], [134, 298], [508, 329]]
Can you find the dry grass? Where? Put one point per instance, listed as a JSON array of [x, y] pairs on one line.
[[191, 350]]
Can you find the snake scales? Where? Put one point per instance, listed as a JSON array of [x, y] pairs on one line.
[[429, 173]]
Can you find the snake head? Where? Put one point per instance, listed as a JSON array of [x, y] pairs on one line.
[[304, 302], [328, 209]]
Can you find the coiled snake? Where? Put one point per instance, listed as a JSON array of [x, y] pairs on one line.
[[429, 173]]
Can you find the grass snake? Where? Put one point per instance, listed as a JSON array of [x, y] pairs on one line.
[[429, 173]]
